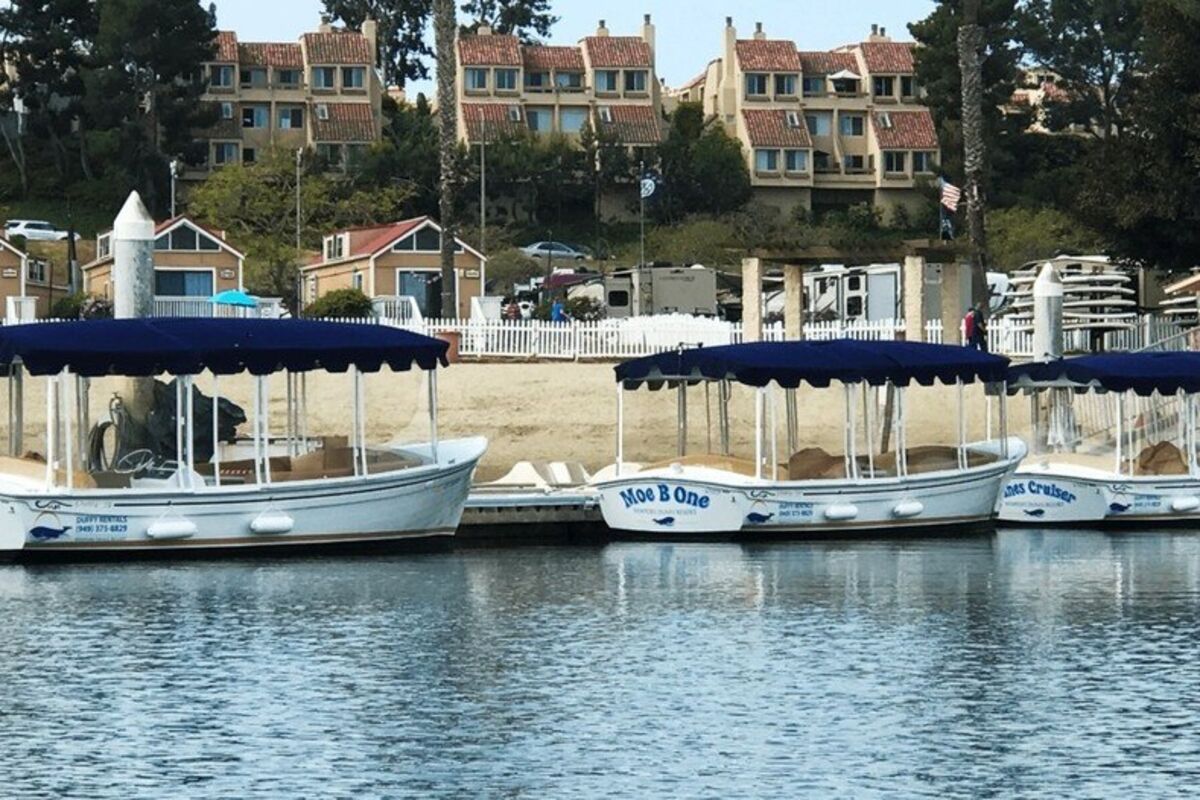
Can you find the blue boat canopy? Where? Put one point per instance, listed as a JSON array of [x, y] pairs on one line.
[[1143, 373], [137, 347], [817, 363]]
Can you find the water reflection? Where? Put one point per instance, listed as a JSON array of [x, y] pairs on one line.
[[1025, 662]]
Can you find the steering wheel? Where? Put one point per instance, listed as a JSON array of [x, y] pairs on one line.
[[134, 461]]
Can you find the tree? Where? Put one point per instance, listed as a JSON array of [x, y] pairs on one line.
[[526, 19], [401, 49], [407, 156], [703, 168], [1142, 189], [1095, 49], [445, 28], [970, 53]]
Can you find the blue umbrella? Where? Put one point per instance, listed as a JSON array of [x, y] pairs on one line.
[[234, 297]]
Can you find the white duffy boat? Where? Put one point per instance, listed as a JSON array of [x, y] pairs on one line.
[[1115, 441], [152, 495], [868, 487]]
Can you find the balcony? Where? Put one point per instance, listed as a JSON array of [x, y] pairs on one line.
[[166, 306]]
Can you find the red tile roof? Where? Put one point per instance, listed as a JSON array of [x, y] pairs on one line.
[[492, 50], [342, 47], [490, 120], [769, 128], [825, 63], [159, 227], [885, 57], [563, 58], [227, 47], [768, 55], [910, 130], [634, 124], [379, 236], [271, 54], [618, 51], [347, 122]]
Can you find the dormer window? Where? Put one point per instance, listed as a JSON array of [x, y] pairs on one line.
[[514, 113], [885, 121], [322, 111], [785, 85], [756, 84], [793, 119], [605, 113], [335, 246], [477, 79]]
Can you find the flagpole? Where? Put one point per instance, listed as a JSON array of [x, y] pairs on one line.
[[642, 204]]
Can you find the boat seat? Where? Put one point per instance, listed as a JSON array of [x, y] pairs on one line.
[[813, 463], [738, 466], [1163, 458], [932, 458]]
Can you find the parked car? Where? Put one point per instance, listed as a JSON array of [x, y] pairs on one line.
[[36, 230], [556, 250]]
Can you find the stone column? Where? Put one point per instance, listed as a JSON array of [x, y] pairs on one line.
[[914, 298], [752, 319], [793, 302], [133, 260]]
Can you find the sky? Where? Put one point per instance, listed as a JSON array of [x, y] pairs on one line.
[[689, 33]]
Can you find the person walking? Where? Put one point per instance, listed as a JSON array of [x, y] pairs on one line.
[[975, 328]]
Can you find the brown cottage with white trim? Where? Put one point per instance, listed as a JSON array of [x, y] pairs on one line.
[[22, 275]]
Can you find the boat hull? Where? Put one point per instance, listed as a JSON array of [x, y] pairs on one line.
[[1060, 494], [683, 501], [409, 505]]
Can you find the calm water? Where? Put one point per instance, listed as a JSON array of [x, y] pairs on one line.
[[1025, 663]]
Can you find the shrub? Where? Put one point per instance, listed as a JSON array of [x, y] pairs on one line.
[[508, 267], [582, 309], [340, 304], [69, 306]]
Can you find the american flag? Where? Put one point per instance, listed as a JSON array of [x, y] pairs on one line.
[[951, 194]]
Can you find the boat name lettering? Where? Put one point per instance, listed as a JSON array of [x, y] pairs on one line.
[[663, 494], [1039, 488]]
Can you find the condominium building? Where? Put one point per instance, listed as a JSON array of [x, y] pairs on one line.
[[321, 92], [606, 82], [822, 129]]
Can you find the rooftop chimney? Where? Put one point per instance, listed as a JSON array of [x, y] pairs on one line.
[[758, 31], [729, 22], [648, 33], [483, 30], [326, 25], [370, 31], [601, 29], [874, 29]]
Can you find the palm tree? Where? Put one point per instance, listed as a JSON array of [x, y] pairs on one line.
[[970, 64], [445, 26]]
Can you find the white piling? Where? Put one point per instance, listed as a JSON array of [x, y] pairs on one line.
[[133, 260], [1048, 315]]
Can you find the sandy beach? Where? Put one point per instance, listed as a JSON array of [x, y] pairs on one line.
[[552, 411]]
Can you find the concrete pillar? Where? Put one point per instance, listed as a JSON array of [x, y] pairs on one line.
[[914, 298], [752, 318], [133, 260], [793, 302], [1048, 315], [954, 305]]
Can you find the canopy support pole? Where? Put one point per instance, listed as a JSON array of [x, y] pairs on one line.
[[216, 430], [65, 398], [789, 399], [1190, 408], [851, 434], [190, 440], [290, 426], [362, 418], [870, 401], [356, 440], [724, 390], [774, 433], [1120, 432], [266, 427], [962, 426], [889, 413], [681, 421], [179, 456], [758, 433], [1004, 420], [433, 412], [707, 417], [901, 433], [83, 394], [16, 410], [620, 427], [256, 430], [51, 425], [987, 432], [304, 409]]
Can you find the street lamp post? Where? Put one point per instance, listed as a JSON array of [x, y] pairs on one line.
[[174, 174]]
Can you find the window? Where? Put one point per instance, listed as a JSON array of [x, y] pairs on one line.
[[606, 80], [291, 118], [226, 110], [103, 245], [506, 80], [895, 161], [249, 155], [183, 238], [254, 116], [923, 161], [335, 247], [635, 80], [253, 77], [225, 153], [851, 124], [766, 160], [428, 240], [814, 87], [207, 243], [792, 118], [356, 78], [220, 77], [756, 85], [795, 160], [568, 80], [287, 78], [36, 270], [854, 163], [312, 288], [514, 113], [329, 153], [618, 298], [183, 283], [847, 86], [820, 123], [324, 78], [322, 111], [357, 281], [573, 119], [605, 113], [908, 86], [477, 80], [537, 80], [821, 162], [884, 120], [541, 120], [884, 87], [785, 85]]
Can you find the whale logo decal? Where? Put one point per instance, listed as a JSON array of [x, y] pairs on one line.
[[44, 533], [666, 522], [754, 518], [1035, 512], [1118, 508]]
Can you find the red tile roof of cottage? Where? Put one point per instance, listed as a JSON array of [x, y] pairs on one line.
[[159, 227], [821, 62], [618, 51], [271, 54], [770, 128], [885, 57], [634, 124], [546, 57], [768, 55], [490, 120], [226, 47], [368, 241], [490, 50], [910, 130], [347, 122], [340, 47]]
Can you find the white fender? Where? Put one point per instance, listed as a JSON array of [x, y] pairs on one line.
[[841, 511], [171, 528], [272, 522], [1185, 503], [908, 508]]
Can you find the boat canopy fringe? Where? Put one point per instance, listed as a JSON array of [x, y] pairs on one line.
[[182, 346], [1143, 373], [817, 363]]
